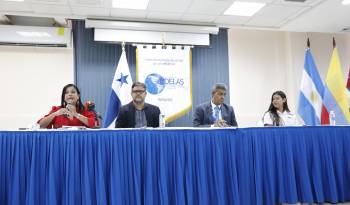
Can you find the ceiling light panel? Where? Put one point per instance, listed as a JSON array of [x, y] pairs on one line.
[[130, 4], [240, 8]]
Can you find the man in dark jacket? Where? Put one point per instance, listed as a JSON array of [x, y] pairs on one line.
[[215, 113], [137, 113]]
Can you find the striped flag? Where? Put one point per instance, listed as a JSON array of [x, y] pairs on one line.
[[335, 93], [311, 90], [348, 88], [121, 91], [348, 82]]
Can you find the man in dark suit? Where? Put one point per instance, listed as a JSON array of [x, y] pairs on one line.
[[138, 113], [215, 113]]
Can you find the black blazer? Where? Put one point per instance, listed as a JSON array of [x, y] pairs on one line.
[[203, 115], [126, 116]]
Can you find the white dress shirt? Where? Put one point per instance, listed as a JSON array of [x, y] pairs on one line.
[[287, 119]]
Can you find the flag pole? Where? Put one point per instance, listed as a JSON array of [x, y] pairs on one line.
[[123, 46]]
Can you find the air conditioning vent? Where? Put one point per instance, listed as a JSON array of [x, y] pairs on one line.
[[34, 45], [346, 29], [298, 1], [35, 36]]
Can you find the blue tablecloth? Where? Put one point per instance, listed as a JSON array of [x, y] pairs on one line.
[[223, 166]]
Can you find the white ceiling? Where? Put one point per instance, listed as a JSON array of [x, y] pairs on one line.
[[310, 16]]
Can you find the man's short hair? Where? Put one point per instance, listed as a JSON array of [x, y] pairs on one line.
[[138, 84], [218, 86]]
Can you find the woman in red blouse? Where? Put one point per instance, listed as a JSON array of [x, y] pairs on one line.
[[71, 112]]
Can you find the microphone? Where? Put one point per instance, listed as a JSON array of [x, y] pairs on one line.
[[69, 106]]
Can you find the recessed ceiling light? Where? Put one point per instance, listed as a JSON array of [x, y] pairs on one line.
[[240, 8], [345, 2], [15, 0], [130, 4]]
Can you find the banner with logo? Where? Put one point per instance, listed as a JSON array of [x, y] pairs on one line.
[[167, 73]]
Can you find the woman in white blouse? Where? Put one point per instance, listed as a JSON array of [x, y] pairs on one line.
[[278, 113]]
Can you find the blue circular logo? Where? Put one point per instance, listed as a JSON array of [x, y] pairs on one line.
[[155, 83]]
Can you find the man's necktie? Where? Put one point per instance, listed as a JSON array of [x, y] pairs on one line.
[[216, 113]]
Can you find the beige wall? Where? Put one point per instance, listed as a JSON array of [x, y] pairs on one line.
[[262, 62], [31, 81]]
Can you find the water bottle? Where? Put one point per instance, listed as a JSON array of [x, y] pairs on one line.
[[161, 120], [332, 118], [34, 126]]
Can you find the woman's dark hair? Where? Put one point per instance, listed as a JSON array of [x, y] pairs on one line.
[[79, 105], [276, 120]]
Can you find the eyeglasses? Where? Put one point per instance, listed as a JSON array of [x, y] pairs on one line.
[[138, 91]]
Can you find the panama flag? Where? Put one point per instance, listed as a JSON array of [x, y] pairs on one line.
[[335, 92], [311, 90], [120, 93]]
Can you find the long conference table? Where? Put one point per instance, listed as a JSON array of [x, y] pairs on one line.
[[241, 166]]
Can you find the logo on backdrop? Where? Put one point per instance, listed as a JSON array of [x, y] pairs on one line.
[[155, 83]]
